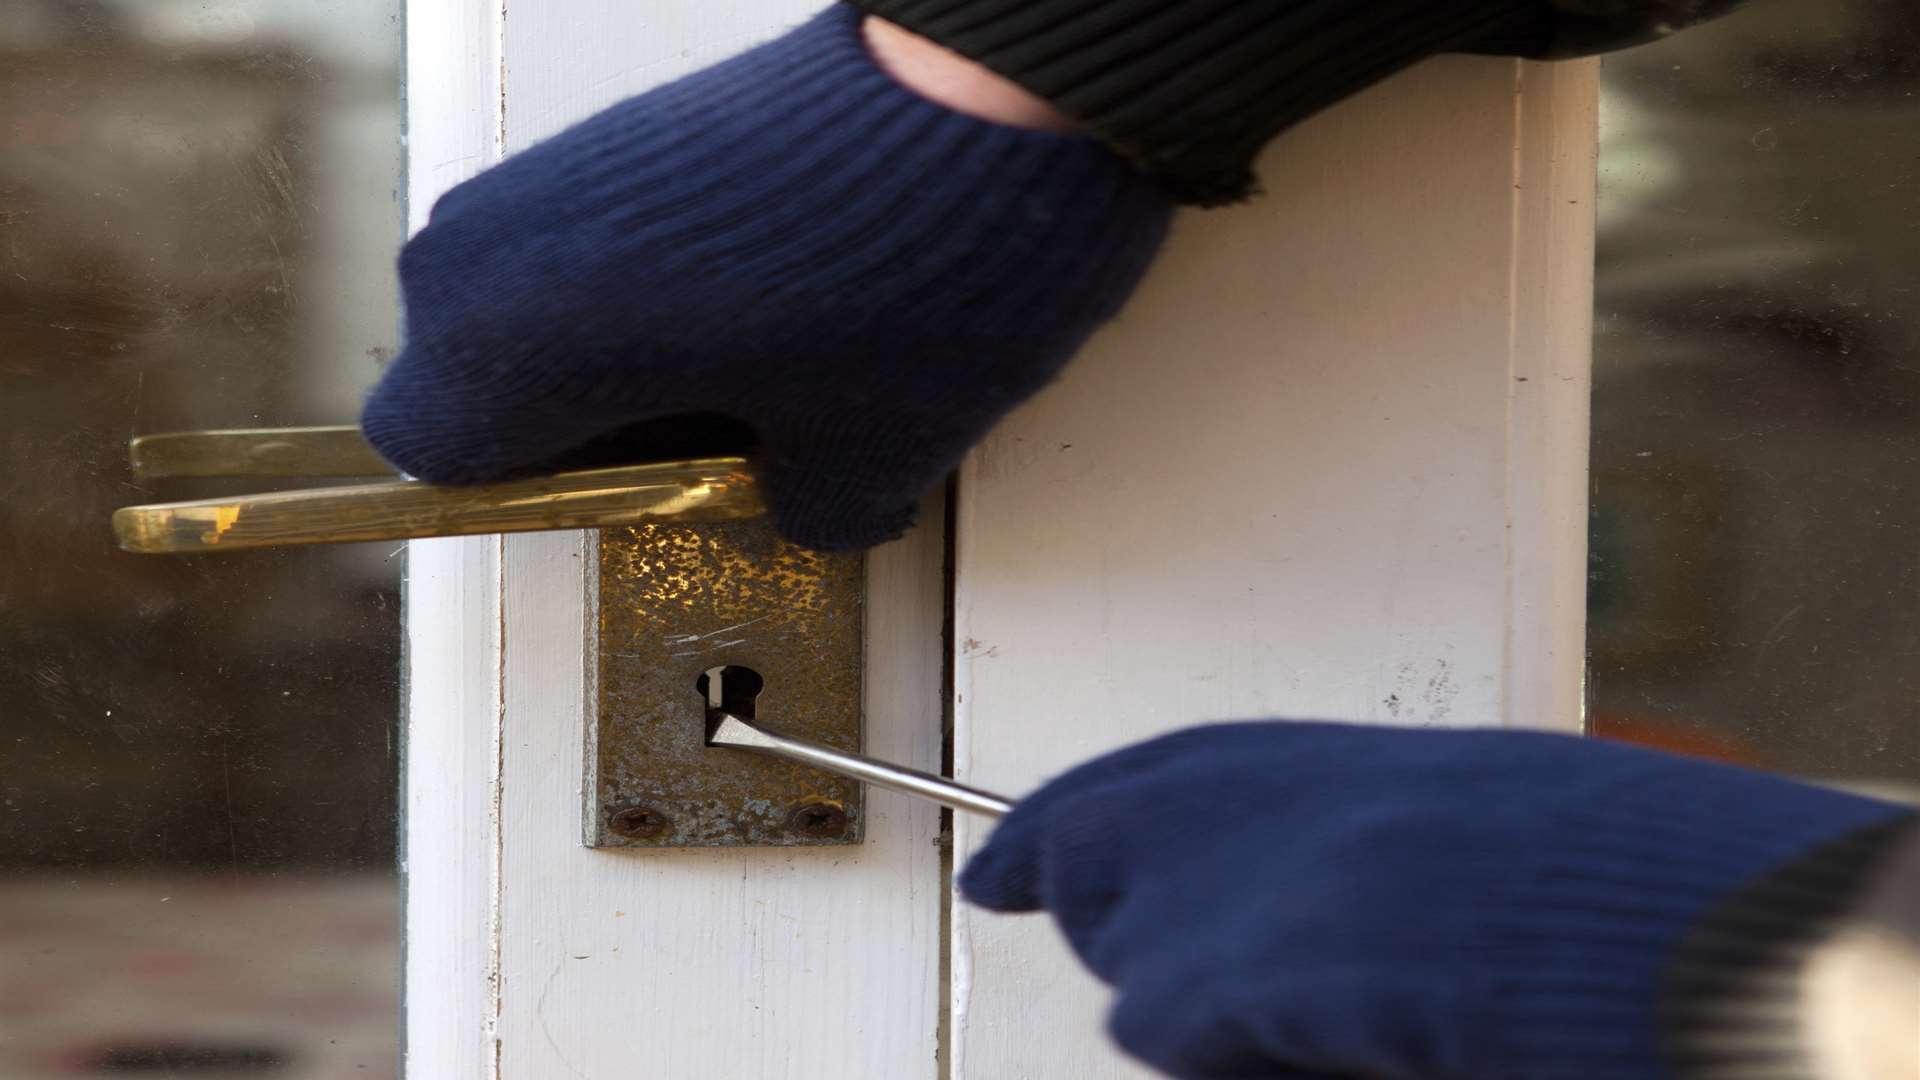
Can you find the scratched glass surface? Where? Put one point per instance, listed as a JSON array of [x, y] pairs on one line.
[[1756, 445], [198, 210]]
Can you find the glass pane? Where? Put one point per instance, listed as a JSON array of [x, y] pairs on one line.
[[1756, 539], [199, 204]]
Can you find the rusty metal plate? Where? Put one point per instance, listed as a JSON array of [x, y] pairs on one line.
[[676, 601]]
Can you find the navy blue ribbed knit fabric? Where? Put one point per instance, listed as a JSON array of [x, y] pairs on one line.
[[788, 249], [1293, 900]]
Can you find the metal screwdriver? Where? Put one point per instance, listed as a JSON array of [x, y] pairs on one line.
[[728, 730]]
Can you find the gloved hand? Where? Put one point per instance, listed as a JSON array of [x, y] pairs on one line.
[[788, 249], [1281, 899]]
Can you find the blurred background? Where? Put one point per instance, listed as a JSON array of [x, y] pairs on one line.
[[1755, 576], [199, 204]]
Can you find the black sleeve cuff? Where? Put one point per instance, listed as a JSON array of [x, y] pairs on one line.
[[1732, 1004], [1190, 90], [1586, 27]]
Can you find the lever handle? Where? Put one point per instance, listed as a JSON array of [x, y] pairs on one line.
[[300, 451], [697, 491]]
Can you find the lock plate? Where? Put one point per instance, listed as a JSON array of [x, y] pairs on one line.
[[676, 601]]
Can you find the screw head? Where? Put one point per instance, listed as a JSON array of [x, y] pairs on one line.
[[639, 822], [822, 820]]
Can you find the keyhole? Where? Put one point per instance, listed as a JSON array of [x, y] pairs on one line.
[[730, 689]]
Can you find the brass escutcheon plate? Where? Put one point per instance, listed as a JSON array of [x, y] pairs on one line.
[[676, 601]]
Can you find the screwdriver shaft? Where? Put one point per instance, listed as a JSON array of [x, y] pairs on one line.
[[731, 731]]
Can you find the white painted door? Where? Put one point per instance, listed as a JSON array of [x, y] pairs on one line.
[[1330, 463]]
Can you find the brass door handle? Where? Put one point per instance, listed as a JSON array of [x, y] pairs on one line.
[[301, 451], [696, 491]]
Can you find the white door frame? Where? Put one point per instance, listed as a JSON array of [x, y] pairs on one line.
[[450, 860], [527, 954], [1331, 463]]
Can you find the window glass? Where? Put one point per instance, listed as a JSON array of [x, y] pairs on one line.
[[1755, 588], [199, 203]]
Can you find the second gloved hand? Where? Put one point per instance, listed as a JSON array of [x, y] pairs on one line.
[[1322, 900], [788, 249]]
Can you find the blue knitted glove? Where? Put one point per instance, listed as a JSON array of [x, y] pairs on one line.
[[1291, 900], [788, 250]]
